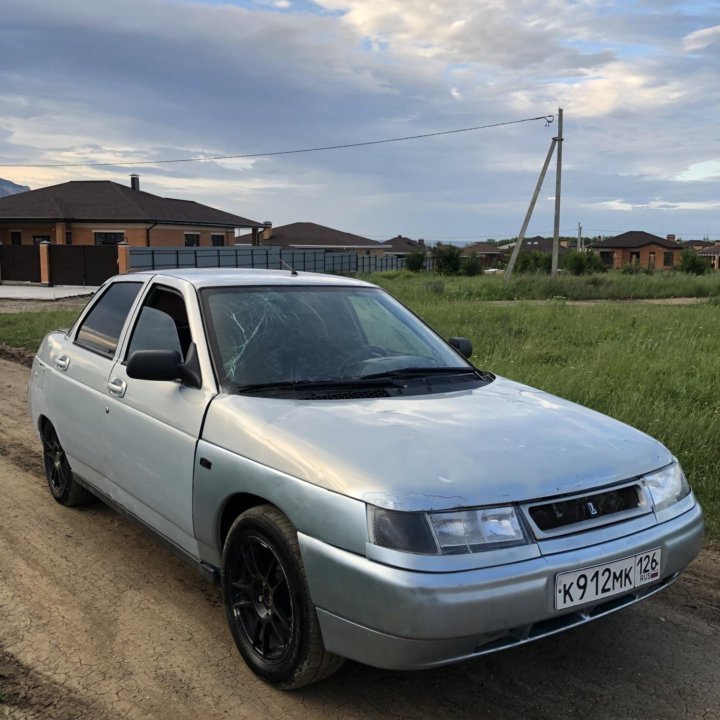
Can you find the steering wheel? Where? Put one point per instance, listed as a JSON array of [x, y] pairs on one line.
[[364, 354]]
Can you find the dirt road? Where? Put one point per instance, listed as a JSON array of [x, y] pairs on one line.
[[98, 620]]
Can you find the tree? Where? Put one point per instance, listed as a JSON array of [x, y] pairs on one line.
[[415, 261], [447, 259], [472, 266], [692, 263]]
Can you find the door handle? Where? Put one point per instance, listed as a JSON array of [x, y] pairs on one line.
[[62, 362], [117, 387]]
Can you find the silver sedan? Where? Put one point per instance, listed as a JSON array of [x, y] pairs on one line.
[[359, 488]]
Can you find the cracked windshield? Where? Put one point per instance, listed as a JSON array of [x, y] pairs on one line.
[[294, 334]]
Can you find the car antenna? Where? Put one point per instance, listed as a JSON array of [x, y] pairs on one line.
[[292, 270]]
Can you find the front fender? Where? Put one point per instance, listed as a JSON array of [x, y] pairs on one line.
[[328, 516]]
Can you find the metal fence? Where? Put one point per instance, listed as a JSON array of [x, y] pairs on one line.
[[20, 263], [155, 258]]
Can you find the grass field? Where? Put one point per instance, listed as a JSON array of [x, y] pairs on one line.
[[656, 367], [606, 286]]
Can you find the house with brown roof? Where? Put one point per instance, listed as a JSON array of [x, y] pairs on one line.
[[487, 253], [311, 236], [538, 243], [713, 254], [402, 246], [637, 247], [101, 212]]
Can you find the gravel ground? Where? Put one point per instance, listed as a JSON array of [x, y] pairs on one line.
[[98, 620]]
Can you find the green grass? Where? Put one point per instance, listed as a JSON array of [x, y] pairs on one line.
[[608, 286], [26, 330], [656, 367]]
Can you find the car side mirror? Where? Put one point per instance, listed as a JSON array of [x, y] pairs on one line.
[[165, 365], [462, 345]]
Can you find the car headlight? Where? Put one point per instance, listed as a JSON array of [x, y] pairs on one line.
[[667, 486], [447, 533]]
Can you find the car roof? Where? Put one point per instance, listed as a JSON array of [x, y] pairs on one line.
[[228, 277]]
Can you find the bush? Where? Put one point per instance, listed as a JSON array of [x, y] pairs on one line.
[[472, 266], [534, 262], [692, 263], [586, 263], [415, 261], [631, 269], [447, 259]]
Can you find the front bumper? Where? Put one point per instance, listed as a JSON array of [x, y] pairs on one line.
[[399, 619]]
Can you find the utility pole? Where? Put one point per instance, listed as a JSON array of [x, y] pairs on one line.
[[528, 214], [556, 231], [580, 242]]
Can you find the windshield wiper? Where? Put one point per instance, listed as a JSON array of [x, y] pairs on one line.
[[411, 372], [314, 384]]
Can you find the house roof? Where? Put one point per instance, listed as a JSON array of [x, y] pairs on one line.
[[636, 239], [481, 248], [401, 244], [311, 235], [714, 250], [103, 200], [536, 244]]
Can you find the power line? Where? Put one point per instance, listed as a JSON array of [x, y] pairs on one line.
[[547, 118]]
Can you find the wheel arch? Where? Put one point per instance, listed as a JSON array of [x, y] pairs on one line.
[[42, 419], [234, 506]]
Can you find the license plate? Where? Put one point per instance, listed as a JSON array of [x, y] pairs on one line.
[[603, 581]]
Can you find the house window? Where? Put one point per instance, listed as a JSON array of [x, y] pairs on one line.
[[37, 239], [68, 237], [651, 260], [16, 237], [668, 259], [217, 240], [109, 238], [634, 258], [192, 239], [607, 257]]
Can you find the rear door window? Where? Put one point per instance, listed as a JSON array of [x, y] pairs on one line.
[[101, 328]]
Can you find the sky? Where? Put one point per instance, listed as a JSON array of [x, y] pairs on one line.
[[128, 80]]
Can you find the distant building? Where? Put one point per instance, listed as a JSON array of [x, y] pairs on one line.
[[713, 254], [639, 248], [311, 236], [535, 244], [698, 245], [402, 246], [101, 212], [487, 253]]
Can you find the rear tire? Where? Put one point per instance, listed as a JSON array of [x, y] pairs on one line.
[[267, 602], [64, 488]]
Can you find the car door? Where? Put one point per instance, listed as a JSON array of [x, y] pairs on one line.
[[76, 387], [153, 426]]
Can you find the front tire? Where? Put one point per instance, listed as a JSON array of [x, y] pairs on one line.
[[64, 488], [267, 602]]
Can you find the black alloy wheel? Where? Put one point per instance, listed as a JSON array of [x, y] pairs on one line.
[[260, 600], [64, 488], [267, 601]]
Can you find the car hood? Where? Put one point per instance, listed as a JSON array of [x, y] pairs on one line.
[[504, 442]]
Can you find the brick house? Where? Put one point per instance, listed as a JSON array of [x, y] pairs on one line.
[[100, 212], [311, 236], [639, 248]]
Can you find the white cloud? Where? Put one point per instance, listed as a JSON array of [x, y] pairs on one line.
[[700, 39]]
